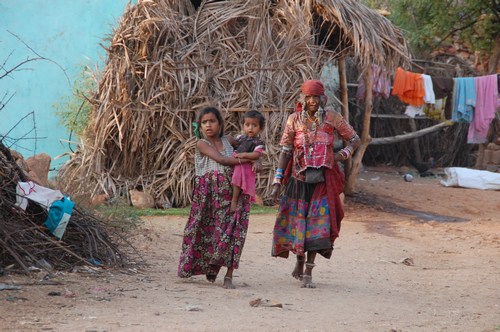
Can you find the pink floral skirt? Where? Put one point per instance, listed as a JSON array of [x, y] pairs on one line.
[[213, 236]]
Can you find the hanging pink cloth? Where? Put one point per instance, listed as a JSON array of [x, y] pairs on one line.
[[486, 106], [381, 84]]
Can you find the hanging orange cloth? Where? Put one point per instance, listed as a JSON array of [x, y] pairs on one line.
[[409, 87]]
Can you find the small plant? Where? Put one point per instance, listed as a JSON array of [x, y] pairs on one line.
[[74, 110]]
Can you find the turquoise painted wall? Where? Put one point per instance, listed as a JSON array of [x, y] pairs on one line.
[[66, 32]]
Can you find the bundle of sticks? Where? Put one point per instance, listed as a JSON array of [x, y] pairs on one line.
[[26, 243]]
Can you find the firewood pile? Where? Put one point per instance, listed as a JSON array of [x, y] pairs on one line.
[[26, 243]]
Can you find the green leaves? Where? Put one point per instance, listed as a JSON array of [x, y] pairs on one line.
[[74, 110], [429, 25]]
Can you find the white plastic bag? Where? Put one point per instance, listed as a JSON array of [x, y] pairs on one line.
[[471, 178]]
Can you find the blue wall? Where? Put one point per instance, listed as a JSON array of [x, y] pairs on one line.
[[66, 32]]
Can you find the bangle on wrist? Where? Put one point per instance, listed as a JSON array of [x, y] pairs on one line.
[[277, 181], [346, 152]]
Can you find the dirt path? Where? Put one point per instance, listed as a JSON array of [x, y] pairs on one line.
[[391, 271]]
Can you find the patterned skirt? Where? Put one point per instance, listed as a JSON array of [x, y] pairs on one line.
[[213, 236], [309, 217]]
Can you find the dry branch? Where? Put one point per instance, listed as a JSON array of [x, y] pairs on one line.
[[25, 241]]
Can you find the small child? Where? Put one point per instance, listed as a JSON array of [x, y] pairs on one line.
[[248, 146]]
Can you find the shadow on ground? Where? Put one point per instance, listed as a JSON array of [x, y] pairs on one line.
[[372, 201]]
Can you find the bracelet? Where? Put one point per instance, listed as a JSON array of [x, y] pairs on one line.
[[277, 181], [346, 152], [279, 173], [286, 150], [351, 150], [354, 138]]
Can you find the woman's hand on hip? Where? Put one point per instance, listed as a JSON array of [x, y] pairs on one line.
[[339, 157]]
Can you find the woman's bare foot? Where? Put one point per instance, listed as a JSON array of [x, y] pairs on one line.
[[307, 277], [298, 271], [228, 283], [307, 282]]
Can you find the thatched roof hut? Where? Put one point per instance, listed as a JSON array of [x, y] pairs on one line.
[[169, 58]]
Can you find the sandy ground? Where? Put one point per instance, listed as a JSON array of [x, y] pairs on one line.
[[412, 256]]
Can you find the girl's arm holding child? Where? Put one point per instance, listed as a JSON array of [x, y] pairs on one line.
[[211, 152], [248, 155]]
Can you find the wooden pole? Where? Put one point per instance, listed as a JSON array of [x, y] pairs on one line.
[[345, 105], [365, 133], [343, 89], [416, 146], [413, 135]]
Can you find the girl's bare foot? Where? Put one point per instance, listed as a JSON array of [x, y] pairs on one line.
[[211, 277], [228, 283], [298, 271]]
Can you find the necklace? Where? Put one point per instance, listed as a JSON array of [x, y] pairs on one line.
[[312, 127], [314, 123]]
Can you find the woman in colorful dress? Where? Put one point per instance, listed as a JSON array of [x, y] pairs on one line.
[[213, 236], [310, 210]]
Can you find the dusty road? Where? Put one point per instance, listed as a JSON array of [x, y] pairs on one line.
[[393, 269]]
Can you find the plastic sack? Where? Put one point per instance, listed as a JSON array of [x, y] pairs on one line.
[[471, 178], [58, 218]]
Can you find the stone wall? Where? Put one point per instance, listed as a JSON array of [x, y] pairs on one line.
[[491, 160]]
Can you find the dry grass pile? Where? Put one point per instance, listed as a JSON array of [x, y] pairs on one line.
[[26, 243], [167, 60]]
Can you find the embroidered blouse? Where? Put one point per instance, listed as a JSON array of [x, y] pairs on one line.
[[313, 143]]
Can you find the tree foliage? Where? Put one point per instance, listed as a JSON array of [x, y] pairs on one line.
[[429, 25]]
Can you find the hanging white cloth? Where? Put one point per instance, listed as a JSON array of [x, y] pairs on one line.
[[429, 96], [35, 192]]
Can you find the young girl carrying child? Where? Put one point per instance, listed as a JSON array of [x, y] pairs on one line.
[[249, 146], [214, 237]]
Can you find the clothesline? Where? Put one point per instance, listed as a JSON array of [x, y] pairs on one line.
[[473, 100]]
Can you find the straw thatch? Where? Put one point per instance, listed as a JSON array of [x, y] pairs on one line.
[[168, 59]]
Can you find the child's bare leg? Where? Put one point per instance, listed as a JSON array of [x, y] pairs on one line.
[[236, 195]]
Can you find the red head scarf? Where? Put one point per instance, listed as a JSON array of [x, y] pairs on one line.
[[311, 88]]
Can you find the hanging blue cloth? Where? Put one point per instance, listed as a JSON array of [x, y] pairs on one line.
[[464, 99], [58, 218]]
